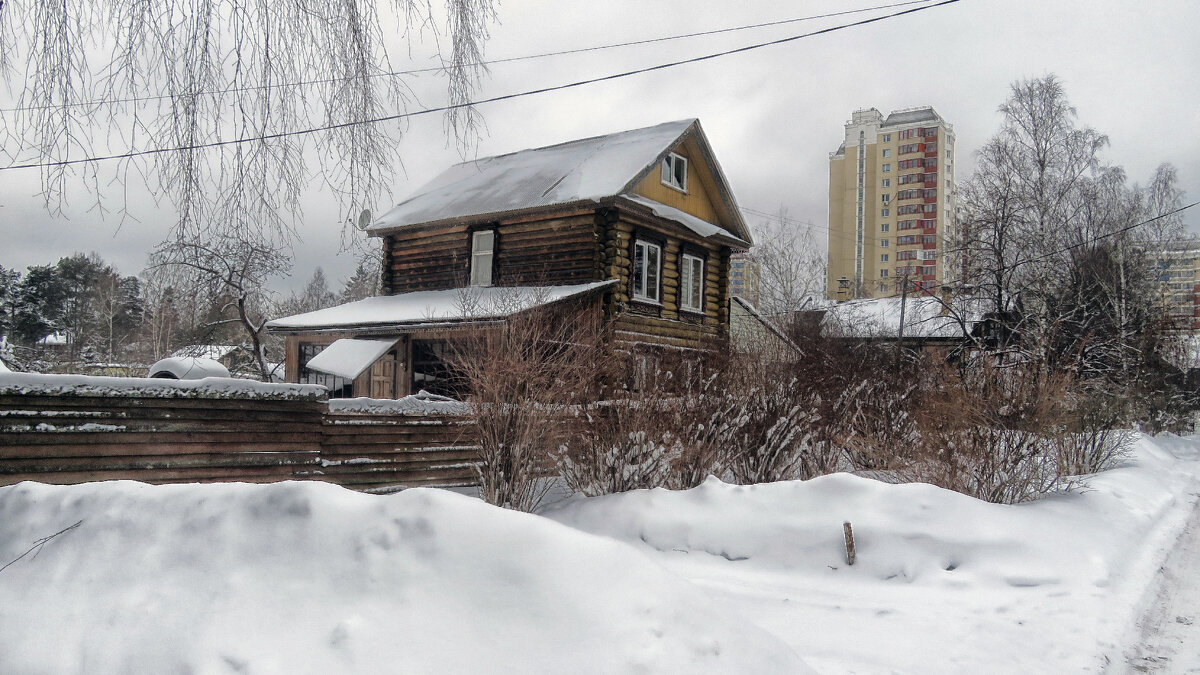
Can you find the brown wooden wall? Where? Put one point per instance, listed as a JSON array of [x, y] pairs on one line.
[[578, 247], [65, 439]]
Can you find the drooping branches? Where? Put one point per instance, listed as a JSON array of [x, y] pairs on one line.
[[175, 77]]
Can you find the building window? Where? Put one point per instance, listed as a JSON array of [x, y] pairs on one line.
[[674, 172], [887, 152], [885, 212], [887, 138], [883, 258], [883, 243], [338, 387], [483, 245], [883, 273], [887, 168], [647, 260], [691, 283], [887, 182], [883, 227]]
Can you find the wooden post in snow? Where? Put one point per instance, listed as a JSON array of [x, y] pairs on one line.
[[849, 532]]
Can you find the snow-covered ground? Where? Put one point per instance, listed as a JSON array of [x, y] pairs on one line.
[[308, 577]]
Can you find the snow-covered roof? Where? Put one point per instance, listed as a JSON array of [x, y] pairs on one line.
[[582, 170], [911, 116], [348, 358], [55, 339], [453, 305], [924, 317], [698, 225], [579, 172]]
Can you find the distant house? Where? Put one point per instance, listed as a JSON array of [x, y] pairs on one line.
[[921, 322], [635, 227], [55, 340]]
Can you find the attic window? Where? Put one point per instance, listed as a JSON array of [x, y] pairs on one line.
[[482, 248], [674, 172]]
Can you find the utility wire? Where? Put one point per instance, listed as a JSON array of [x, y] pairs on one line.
[[505, 97], [476, 64]]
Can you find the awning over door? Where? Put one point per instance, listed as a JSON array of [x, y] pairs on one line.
[[348, 358]]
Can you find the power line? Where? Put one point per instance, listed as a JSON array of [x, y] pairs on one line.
[[476, 64], [446, 108]]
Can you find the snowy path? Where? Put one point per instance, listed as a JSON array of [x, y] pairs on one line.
[[1169, 640]]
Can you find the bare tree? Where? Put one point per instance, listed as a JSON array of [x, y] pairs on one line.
[[791, 266], [237, 272], [223, 106], [521, 377]]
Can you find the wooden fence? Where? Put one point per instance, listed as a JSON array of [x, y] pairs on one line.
[[67, 435]]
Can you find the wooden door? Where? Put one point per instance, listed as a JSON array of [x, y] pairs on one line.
[[383, 376]]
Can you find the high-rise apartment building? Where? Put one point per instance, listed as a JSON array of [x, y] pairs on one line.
[[891, 205], [743, 276], [1176, 268]]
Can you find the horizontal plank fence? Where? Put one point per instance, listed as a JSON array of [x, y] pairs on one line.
[[64, 436]]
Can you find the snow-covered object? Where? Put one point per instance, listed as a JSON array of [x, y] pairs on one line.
[[187, 368], [924, 317], [313, 578], [420, 403], [584, 170], [211, 387], [942, 583], [4, 368], [698, 225], [348, 357], [55, 339], [473, 303]]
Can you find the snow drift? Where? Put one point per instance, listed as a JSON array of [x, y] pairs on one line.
[[309, 577]]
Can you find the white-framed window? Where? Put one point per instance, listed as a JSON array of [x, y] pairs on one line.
[[647, 269], [887, 152], [691, 283], [883, 257], [887, 168], [886, 182], [883, 274], [483, 246], [883, 243], [887, 138], [885, 212], [674, 171], [883, 227]]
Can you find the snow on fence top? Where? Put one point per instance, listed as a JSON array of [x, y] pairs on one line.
[[129, 387], [421, 403]]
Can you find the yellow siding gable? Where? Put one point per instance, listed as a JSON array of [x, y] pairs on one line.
[[701, 198]]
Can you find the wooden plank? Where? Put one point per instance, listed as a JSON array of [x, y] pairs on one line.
[[115, 447], [137, 437], [141, 462], [154, 475]]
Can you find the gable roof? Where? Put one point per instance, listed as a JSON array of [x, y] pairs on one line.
[[586, 170]]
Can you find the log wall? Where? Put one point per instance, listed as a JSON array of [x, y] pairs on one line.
[[65, 439]]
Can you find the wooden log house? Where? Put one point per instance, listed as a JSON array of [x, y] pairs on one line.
[[639, 225]]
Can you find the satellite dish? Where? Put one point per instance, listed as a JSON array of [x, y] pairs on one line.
[[364, 219]]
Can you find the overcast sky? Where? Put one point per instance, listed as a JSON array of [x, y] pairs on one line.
[[772, 115]]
